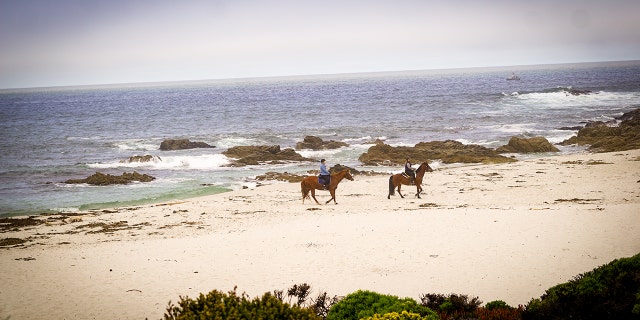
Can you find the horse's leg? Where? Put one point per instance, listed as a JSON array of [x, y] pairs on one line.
[[333, 196], [401, 196], [313, 194], [305, 192]]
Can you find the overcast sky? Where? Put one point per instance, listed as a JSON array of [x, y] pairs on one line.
[[68, 42]]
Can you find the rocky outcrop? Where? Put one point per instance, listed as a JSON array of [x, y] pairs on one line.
[[315, 143], [145, 158], [179, 144], [527, 145], [448, 151], [601, 137], [101, 179], [254, 155], [280, 176]]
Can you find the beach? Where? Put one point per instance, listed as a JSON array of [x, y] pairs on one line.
[[498, 231]]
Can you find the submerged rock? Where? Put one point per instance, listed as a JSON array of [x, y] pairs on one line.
[[601, 137], [101, 179], [527, 145], [145, 158], [315, 143], [179, 144], [254, 155], [448, 151], [576, 92]]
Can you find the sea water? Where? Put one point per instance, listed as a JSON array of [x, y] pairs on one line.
[[50, 135]]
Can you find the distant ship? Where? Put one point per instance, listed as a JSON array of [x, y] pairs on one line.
[[513, 76]]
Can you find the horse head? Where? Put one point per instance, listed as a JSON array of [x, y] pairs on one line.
[[348, 174], [425, 166]]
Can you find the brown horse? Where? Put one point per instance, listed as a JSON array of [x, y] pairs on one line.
[[311, 184], [397, 180]]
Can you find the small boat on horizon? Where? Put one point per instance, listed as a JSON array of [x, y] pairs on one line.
[[513, 76]]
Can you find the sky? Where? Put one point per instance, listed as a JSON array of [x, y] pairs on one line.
[[83, 42]]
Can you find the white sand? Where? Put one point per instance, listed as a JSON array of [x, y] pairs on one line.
[[507, 232]]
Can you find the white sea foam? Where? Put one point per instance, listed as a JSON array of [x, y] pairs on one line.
[[230, 142], [564, 99], [142, 145], [201, 162], [515, 128]]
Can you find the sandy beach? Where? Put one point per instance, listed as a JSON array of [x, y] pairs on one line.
[[506, 231]]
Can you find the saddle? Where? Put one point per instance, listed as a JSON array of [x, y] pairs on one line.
[[408, 177], [321, 180]]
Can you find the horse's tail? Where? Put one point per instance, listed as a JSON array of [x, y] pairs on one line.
[[305, 191], [391, 186]]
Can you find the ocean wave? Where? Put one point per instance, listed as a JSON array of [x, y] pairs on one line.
[[185, 162], [136, 145], [562, 98]]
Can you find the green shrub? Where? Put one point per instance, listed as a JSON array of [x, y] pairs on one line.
[[611, 291], [219, 305], [497, 304], [450, 303], [363, 304], [404, 315]]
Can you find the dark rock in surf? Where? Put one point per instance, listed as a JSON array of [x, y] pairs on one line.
[[180, 144], [101, 179], [316, 143], [254, 155], [601, 137], [527, 145], [280, 176], [448, 151], [145, 158], [576, 92]]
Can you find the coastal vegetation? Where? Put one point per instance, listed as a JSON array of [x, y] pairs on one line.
[[611, 291]]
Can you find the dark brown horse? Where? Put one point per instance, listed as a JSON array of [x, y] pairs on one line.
[[311, 184], [397, 180]]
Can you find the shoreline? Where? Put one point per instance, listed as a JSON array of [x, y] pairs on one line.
[[497, 231]]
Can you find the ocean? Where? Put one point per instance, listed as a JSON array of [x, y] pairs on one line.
[[50, 135]]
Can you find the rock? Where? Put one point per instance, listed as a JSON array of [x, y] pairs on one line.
[[145, 158], [448, 151], [101, 179], [603, 138], [179, 144], [530, 145], [254, 155], [280, 176], [574, 128], [593, 124], [315, 143], [576, 92]]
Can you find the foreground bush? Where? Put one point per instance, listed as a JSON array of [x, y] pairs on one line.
[[454, 307], [365, 304], [611, 291], [219, 305], [404, 315]]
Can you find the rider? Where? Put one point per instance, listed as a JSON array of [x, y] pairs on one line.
[[409, 171], [325, 176]]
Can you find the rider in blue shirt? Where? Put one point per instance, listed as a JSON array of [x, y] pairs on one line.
[[325, 176], [409, 171]]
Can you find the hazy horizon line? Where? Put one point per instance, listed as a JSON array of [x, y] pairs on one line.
[[162, 83]]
